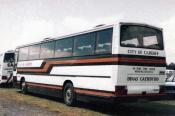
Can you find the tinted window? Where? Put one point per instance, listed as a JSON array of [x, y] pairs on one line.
[[47, 50], [34, 52], [23, 53], [141, 37], [84, 44], [9, 57], [63, 47], [104, 41]]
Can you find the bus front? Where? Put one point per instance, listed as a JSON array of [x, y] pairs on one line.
[[7, 62], [141, 61]]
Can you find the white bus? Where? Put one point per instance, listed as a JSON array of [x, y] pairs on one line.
[[6, 67], [112, 62]]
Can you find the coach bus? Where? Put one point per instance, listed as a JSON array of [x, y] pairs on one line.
[[6, 67], [122, 61]]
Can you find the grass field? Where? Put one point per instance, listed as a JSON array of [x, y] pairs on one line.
[[89, 109], [51, 104]]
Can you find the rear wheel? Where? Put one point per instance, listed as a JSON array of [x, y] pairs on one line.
[[69, 94], [23, 87]]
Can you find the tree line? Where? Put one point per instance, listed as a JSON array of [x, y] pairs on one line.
[[171, 66]]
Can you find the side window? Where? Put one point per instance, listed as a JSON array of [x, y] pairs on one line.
[[23, 53], [84, 44], [63, 47], [104, 41], [47, 50], [34, 52]]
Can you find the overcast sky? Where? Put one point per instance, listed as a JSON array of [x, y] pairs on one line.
[[26, 21]]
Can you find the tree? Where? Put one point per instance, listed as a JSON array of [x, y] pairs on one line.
[[171, 66]]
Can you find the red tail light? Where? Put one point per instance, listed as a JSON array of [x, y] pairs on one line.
[[4, 77], [120, 90]]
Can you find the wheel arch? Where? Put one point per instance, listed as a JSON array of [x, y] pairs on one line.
[[67, 81]]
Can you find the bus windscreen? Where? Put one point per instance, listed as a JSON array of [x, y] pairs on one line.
[[9, 57], [141, 37]]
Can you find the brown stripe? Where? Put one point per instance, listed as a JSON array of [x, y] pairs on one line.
[[93, 92], [141, 95], [139, 60], [97, 60], [44, 86]]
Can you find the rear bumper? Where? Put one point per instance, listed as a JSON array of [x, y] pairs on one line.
[[135, 98], [170, 89], [126, 98]]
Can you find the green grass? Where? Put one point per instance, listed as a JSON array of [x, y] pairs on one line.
[[51, 105], [160, 108]]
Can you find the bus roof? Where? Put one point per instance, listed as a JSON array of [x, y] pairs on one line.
[[9, 51], [96, 28]]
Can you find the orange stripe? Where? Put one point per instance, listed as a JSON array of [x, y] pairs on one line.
[[99, 60], [69, 62], [45, 86], [91, 92]]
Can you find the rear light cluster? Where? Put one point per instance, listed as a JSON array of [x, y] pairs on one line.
[[120, 90], [161, 89], [4, 77]]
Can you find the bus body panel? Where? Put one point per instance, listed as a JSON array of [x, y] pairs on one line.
[[30, 64], [139, 79], [78, 82], [97, 77], [142, 71], [141, 75], [142, 52]]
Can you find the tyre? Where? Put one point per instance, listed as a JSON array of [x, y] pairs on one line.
[[24, 87], [69, 94]]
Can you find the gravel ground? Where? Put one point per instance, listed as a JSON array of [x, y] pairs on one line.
[[11, 108], [13, 103]]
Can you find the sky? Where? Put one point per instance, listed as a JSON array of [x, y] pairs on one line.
[[27, 21]]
